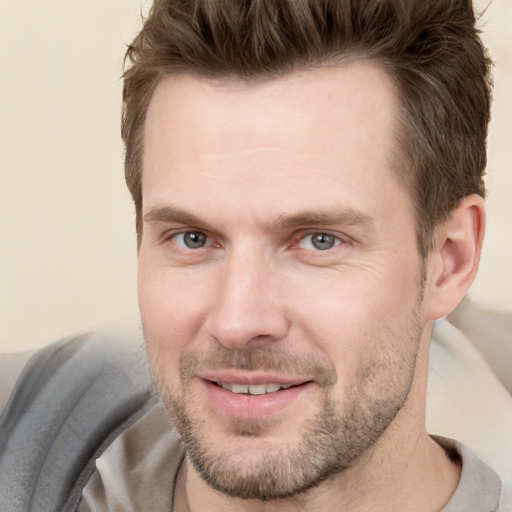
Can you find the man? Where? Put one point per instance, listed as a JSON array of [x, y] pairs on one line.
[[307, 178]]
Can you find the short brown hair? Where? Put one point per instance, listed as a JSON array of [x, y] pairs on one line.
[[431, 49]]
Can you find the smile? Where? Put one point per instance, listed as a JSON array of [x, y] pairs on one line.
[[256, 400], [252, 389]]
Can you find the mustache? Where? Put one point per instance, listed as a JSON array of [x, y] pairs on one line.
[[263, 359]]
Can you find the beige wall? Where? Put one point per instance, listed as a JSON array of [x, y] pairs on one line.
[[67, 248]]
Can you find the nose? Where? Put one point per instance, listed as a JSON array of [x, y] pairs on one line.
[[249, 309]]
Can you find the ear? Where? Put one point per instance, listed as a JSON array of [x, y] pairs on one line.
[[453, 263]]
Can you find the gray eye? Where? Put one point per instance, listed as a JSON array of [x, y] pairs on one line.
[[191, 239], [319, 241], [322, 241]]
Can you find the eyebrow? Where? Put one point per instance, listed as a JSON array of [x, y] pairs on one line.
[[345, 217], [169, 215]]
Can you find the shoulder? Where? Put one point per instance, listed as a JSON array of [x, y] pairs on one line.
[[138, 470], [479, 486], [70, 400], [466, 397], [11, 367]]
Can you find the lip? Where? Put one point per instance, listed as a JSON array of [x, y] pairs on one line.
[[252, 407], [252, 379]]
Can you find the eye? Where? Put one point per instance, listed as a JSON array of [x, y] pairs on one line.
[[190, 239], [319, 241]]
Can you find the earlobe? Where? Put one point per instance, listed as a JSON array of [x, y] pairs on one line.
[[455, 258]]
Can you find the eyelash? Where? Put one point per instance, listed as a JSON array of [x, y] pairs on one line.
[[336, 240], [172, 237]]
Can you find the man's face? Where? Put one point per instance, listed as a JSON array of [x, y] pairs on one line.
[[280, 285]]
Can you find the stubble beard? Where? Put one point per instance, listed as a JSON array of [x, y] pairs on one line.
[[331, 441]]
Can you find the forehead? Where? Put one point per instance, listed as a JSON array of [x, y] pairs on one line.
[[314, 129]]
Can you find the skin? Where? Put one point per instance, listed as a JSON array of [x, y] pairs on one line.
[[258, 168]]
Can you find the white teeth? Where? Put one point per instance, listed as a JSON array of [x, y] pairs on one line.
[[239, 388], [257, 389], [253, 389]]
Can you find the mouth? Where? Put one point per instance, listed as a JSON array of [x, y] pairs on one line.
[[253, 389], [243, 399]]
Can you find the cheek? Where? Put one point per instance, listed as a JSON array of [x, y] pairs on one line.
[[361, 316], [164, 310], [161, 310], [170, 302]]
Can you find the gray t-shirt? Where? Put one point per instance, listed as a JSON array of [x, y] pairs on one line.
[[138, 472]]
